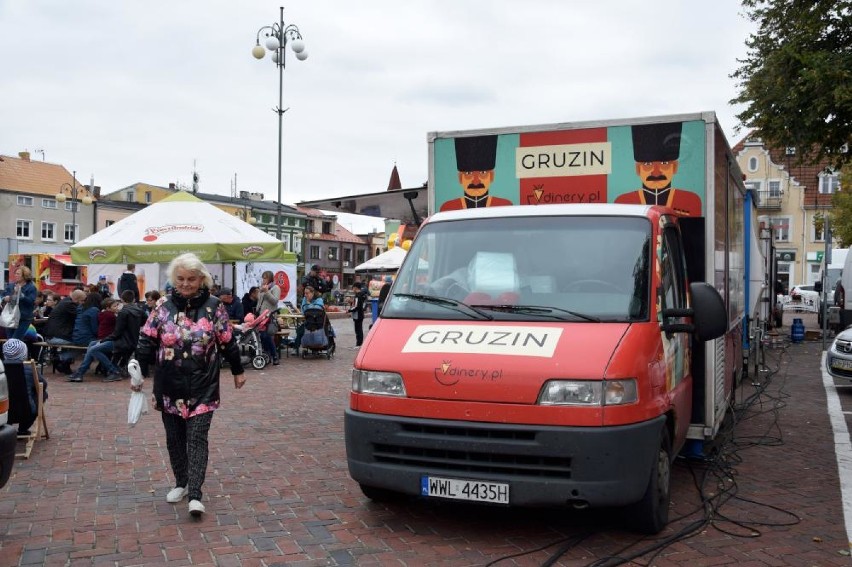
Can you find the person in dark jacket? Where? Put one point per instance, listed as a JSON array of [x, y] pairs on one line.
[[250, 300], [86, 323], [357, 311], [16, 352], [60, 327], [182, 339], [383, 292], [233, 307], [127, 280], [24, 295]]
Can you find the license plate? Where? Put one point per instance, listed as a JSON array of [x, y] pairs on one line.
[[841, 363], [462, 489]]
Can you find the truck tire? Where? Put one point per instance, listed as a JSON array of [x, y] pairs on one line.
[[651, 514]]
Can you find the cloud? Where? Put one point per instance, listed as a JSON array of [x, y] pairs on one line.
[[131, 91]]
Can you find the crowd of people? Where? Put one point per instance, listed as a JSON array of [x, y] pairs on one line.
[[180, 338]]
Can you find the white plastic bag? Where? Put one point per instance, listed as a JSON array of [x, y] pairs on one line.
[[138, 402]]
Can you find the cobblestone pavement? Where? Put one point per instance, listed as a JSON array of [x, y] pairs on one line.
[[278, 491]]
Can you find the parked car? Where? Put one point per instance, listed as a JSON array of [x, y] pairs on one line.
[[8, 433], [838, 361], [806, 295]]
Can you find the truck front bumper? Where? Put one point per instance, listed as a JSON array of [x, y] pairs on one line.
[[543, 465], [8, 444]]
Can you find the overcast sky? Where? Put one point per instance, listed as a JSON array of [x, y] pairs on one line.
[[139, 91]]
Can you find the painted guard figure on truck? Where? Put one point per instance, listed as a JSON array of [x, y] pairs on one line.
[[656, 149], [475, 159]]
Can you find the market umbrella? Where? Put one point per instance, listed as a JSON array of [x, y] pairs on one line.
[[177, 224]]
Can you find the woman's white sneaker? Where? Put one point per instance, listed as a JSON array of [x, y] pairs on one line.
[[196, 508], [176, 494]]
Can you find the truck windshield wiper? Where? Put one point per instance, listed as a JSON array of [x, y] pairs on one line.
[[554, 312], [459, 306]]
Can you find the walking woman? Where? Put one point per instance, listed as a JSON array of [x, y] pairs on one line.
[[24, 294], [267, 298], [182, 339]]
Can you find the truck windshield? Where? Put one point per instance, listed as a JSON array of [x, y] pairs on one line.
[[583, 269]]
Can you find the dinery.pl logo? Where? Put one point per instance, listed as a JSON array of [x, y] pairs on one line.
[[152, 233], [251, 250]]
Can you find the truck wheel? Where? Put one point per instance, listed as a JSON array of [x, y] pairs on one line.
[[379, 494], [651, 514]]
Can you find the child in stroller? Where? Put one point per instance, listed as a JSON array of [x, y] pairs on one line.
[[318, 334], [248, 339]]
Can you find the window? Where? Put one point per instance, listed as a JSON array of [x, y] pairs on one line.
[[71, 206], [48, 203], [326, 227], [332, 253], [24, 201], [285, 238], [361, 255], [752, 164], [775, 188], [829, 183], [297, 244], [70, 232], [24, 229], [818, 229], [148, 197], [315, 253], [781, 226], [48, 231], [347, 254], [130, 196], [109, 223]]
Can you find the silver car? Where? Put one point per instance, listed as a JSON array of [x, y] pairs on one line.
[[838, 361]]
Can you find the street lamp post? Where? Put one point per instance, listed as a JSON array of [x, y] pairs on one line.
[[72, 190], [278, 36]]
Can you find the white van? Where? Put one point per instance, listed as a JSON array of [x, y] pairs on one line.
[[843, 292]]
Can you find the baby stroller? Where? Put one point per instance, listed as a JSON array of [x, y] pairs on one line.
[[248, 340], [318, 338]]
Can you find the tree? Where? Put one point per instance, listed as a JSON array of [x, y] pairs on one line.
[[841, 213], [796, 80]]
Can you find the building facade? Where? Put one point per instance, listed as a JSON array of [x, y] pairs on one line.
[[793, 198], [34, 217]]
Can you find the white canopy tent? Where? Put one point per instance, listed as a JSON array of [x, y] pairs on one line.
[[177, 224], [386, 262], [232, 249]]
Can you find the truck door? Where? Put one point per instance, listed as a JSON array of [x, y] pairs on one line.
[[672, 294]]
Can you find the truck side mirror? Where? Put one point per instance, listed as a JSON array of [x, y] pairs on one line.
[[711, 316]]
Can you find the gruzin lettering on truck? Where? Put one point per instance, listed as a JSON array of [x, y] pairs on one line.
[[503, 339], [563, 160]]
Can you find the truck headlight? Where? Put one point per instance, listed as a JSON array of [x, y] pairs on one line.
[[382, 383], [588, 392]]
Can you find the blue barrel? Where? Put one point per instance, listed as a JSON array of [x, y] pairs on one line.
[[797, 331]]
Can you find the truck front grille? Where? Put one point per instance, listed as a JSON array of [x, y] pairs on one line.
[[513, 452]]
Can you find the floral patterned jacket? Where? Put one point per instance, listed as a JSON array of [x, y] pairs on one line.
[[183, 338]]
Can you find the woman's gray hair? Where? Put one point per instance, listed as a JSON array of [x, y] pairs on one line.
[[192, 263]]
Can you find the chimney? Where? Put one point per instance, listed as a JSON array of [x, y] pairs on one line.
[[24, 156]]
